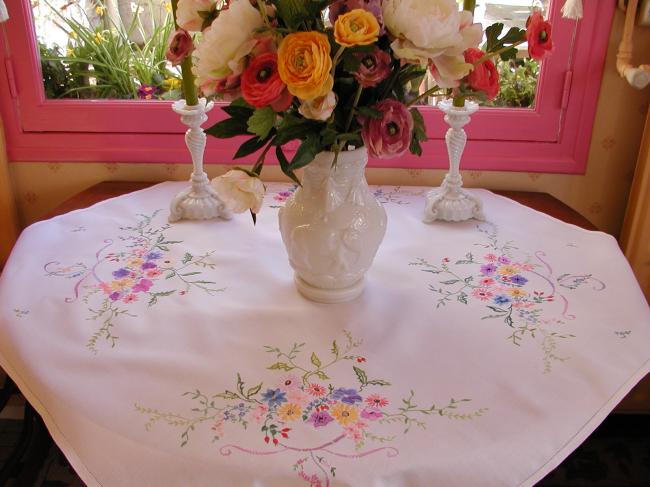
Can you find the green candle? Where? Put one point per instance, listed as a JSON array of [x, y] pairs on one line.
[[189, 90]]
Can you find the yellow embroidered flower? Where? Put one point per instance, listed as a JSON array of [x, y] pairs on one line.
[[289, 412], [508, 270], [304, 64], [135, 262], [517, 293], [121, 284], [345, 414], [356, 28]]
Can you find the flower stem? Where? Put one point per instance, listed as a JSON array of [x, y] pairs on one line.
[[336, 59], [357, 97], [426, 94], [490, 55]]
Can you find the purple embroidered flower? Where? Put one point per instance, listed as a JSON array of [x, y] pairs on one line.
[[371, 414], [518, 280], [120, 273], [488, 269], [274, 397], [154, 255], [115, 296], [348, 396], [143, 286], [319, 419], [504, 260], [149, 265], [502, 299]]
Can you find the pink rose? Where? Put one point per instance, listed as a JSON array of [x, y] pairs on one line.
[[374, 67], [484, 77], [538, 35], [390, 135], [180, 46]]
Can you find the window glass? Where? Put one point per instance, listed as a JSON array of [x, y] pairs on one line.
[[517, 77], [111, 49]]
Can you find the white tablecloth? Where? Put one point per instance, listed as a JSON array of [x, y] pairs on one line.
[[158, 355]]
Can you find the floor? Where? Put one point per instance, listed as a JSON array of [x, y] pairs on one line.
[[617, 454]]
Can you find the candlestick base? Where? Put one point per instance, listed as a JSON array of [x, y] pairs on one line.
[[200, 201]]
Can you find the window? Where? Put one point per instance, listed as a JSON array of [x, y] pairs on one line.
[[551, 136]]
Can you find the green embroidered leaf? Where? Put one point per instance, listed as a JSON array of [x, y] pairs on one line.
[[335, 349], [449, 283], [361, 375], [315, 360], [378, 382], [190, 274], [227, 395], [322, 375], [253, 390], [462, 297], [281, 366], [261, 122], [187, 257]]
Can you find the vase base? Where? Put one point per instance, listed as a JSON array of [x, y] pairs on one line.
[[329, 296]]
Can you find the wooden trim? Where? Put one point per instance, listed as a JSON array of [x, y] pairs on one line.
[[635, 238], [8, 220]]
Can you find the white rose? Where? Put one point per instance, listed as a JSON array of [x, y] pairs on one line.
[[320, 108], [432, 32], [239, 191], [225, 45], [188, 14]]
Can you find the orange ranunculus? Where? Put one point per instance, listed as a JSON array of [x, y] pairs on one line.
[[304, 64], [356, 28]]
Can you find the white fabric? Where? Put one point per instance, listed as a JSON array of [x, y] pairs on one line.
[[430, 325]]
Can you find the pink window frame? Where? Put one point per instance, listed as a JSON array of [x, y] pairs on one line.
[[553, 137]]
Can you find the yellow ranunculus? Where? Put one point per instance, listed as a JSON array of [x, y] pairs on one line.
[[356, 28], [304, 64]]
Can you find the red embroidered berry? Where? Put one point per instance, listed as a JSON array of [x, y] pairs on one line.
[[266, 439], [284, 430], [284, 435], [361, 359], [275, 441]]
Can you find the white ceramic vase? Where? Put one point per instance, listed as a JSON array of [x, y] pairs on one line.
[[332, 228]]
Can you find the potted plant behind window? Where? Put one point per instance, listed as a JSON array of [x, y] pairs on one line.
[[335, 77]]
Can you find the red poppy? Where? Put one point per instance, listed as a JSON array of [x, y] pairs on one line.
[[538, 35], [261, 85]]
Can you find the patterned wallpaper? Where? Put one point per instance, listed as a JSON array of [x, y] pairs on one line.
[[600, 195]]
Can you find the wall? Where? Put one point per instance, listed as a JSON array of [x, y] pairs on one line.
[[601, 194]]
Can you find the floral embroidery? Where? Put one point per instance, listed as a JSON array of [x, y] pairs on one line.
[[143, 272], [394, 195], [623, 333], [283, 196], [20, 313], [517, 290], [343, 416]]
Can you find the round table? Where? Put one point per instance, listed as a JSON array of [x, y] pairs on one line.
[[481, 353]]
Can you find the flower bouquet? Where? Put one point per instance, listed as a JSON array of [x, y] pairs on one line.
[[339, 79]]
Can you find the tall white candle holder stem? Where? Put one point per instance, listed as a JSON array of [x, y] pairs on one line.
[[200, 201], [449, 202]]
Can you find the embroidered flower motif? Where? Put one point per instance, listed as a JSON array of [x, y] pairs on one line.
[[297, 396], [508, 270], [517, 293], [488, 269], [316, 390], [371, 414], [348, 396], [320, 419], [482, 294], [490, 257], [376, 401], [502, 299], [143, 286], [345, 414], [121, 273], [259, 413], [289, 382], [129, 298], [289, 412], [518, 280], [274, 397], [487, 282]]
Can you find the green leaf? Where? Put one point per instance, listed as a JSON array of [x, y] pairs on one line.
[[306, 152], [250, 146], [281, 366], [227, 395], [187, 257], [492, 34], [378, 382], [254, 390], [292, 12], [335, 348], [261, 122], [284, 165], [370, 112], [361, 375], [237, 111], [322, 375], [228, 128], [315, 360], [509, 54]]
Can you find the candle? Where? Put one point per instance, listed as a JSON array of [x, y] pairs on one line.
[[189, 90]]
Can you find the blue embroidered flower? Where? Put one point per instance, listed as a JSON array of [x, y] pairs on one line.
[[118, 274], [154, 255], [518, 280], [348, 396], [274, 397], [502, 299]]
